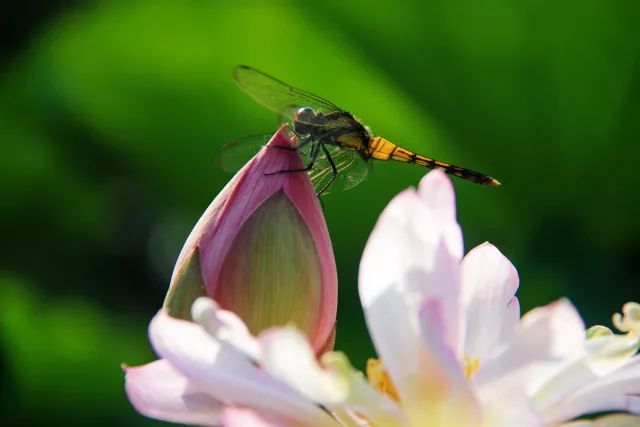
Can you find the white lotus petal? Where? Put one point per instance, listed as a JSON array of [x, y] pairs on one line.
[[436, 191], [568, 378], [618, 391], [157, 390], [505, 404], [406, 261], [489, 283], [225, 373], [548, 338], [445, 398], [439, 359], [225, 326], [562, 326], [234, 416], [511, 323], [287, 355], [408, 250]]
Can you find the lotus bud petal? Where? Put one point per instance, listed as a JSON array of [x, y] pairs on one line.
[[262, 250]]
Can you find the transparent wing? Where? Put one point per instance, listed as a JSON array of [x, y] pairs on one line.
[[236, 153], [275, 94], [282, 98], [351, 167]]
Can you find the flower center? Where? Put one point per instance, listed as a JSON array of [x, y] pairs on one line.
[[380, 380], [471, 365]]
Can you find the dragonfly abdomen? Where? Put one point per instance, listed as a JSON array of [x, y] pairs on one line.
[[383, 149]]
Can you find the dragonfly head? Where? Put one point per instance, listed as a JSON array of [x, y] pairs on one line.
[[304, 119]]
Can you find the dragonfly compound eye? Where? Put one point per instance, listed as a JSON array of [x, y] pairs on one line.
[[306, 114], [304, 118]]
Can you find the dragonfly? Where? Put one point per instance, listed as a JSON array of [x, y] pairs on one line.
[[338, 147]]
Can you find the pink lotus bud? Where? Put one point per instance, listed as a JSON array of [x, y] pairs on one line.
[[262, 250]]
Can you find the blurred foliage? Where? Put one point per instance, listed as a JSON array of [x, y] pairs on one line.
[[111, 114], [59, 357]]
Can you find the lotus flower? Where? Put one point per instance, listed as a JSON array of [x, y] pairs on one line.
[[262, 250], [449, 333], [453, 348]]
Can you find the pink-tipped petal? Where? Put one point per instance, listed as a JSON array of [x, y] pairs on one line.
[[302, 194], [412, 255], [407, 252], [224, 372], [436, 190], [489, 283], [158, 391]]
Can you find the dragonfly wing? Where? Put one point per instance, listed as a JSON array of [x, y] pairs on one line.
[[351, 170], [277, 95], [237, 152]]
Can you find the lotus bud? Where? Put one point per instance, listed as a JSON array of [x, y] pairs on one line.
[[262, 250]]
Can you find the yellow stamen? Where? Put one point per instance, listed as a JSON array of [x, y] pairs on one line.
[[471, 366], [379, 379]]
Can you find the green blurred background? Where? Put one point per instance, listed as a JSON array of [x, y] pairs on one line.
[[111, 114]]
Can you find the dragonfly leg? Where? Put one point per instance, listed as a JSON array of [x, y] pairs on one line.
[[280, 147], [334, 170], [315, 150], [298, 148]]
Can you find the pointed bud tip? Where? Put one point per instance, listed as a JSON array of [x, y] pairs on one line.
[[281, 139]]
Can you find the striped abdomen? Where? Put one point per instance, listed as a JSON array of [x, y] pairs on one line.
[[382, 149]]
